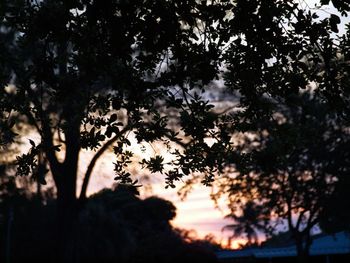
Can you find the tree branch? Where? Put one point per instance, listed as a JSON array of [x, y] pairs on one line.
[[46, 135], [93, 161], [289, 215], [300, 219], [176, 140]]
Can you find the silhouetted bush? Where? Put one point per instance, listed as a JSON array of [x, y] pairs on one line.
[[115, 225]]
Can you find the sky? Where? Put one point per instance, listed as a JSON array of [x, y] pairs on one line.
[[326, 11], [197, 212]]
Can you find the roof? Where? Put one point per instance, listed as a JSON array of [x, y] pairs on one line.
[[338, 243]]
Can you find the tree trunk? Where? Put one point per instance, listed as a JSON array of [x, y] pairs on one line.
[[302, 256], [8, 242], [67, 209], [67, 215], [303, 248]]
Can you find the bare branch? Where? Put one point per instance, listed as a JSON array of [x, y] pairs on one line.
[[93, 161]]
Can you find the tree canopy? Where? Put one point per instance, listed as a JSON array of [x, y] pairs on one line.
[[291, 71], [98, 71], [86, 74]]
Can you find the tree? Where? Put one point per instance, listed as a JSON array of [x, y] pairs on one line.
[[86, 74], [334, 217], [252, 221], [297, 164], [291, 72]]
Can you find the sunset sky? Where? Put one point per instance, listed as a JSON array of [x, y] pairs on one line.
[[196, 212]]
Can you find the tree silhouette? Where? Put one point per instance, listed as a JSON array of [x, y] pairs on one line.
[[86, 74], [115, 225], [303, 169], [290, 70], [252, 221]]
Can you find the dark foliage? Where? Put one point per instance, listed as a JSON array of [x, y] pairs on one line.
[[86, 75], [115, 226]]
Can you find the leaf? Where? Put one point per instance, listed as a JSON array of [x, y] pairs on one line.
[[57, 148], [334, 21], [41, 180], [185, 170], [113, 117], [12, 123], [32, 142]]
